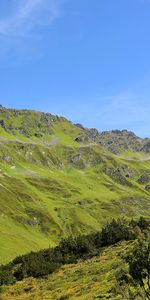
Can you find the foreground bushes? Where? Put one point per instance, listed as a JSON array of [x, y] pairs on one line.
[[70, 250]]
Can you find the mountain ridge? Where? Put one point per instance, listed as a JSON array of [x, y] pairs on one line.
[[56, 180], [114, 141]]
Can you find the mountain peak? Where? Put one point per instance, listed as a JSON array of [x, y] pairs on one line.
[[34, 124]]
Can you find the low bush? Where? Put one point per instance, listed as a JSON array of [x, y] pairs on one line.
[[70, 250]]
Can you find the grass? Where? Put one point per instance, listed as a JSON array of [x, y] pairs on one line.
[[88, 280], [51, 186], [64, 201]]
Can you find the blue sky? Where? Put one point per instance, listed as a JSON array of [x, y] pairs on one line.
[[86, 60]]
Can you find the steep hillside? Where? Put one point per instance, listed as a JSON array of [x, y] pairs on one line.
[[59, 179], [95, 266], [96, 278]]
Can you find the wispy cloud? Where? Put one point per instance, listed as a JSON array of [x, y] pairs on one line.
[[24, 28], [129, 109], [29, 15]]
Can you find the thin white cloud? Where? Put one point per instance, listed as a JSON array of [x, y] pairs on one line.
[[129, 109], [29, 15], [125, 111]]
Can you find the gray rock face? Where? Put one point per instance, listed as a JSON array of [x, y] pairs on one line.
[[80, 126], [146, 146], [118, 176], [117, 141], [144, 178], [39, 135], [82, 139], [2, 123], [75, 158], [7, 159], [147, 188], [94, 133], [2, 107]]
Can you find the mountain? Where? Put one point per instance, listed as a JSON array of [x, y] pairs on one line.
[[59, 179], [115, 141]]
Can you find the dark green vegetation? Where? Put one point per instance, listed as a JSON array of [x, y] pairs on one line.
[[70, 250], [130, 270], [58, 179], [139, 264]]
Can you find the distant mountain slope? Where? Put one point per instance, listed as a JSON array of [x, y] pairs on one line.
[[38, 125], [58, 179], [115, 141]]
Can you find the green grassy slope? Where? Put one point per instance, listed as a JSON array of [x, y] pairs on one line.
[[96, 278], [53, 186]]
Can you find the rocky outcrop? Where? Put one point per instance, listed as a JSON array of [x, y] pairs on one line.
[[117, 141], [144, 178], [81, 139], [146, 146], [7, 158], [118, 176], [147, 188], [32, 123]]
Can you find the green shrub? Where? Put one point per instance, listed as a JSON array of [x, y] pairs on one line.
[[70, 250]]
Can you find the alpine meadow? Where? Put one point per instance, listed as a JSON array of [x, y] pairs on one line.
[[59, 180], [74, 150]]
